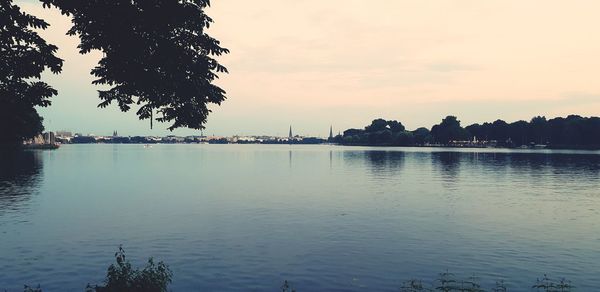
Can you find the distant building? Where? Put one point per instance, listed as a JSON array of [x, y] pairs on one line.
[[49, 138], [37, 140], [172, 139], [115, 134], [331, 132], [64, 134], [290, 135]]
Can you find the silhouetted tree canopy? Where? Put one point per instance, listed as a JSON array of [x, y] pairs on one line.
[[570, 132], [24, 55], [376, 126], [422, 135], [379, 132], [395, 126], [449, 130], [539, 128], [156, 54]]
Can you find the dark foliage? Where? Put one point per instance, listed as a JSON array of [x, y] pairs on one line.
[[549, 285], [24, 55], [570, 132], [156, 54], [379, 132], [448, 282], [287, 287], [422, 135], [449, 130], [32, 289], [122, 277]]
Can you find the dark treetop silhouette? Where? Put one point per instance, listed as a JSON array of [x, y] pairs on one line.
[[24, 55], [570, 132], [156, 54]]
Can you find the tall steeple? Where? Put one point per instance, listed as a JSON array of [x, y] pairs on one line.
[[330, 132], [290, 134]]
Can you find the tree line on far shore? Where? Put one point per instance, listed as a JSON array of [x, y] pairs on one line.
[[571, 132]]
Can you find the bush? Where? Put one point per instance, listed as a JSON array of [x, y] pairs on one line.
[[32, 289], [549, 285], [122, 277]]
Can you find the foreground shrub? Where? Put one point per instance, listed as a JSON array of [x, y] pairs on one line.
[[122, 277], [447, 282], [287, 287], [549, 285], [32, 289], [156, 277]]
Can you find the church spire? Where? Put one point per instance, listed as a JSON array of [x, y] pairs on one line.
[[330, 132], [290, 134]]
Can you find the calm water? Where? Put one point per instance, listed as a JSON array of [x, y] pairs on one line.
[[327, 218]]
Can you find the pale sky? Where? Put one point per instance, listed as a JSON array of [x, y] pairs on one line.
[[316, 63]]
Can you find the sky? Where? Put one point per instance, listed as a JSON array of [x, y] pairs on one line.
[[315, 63]]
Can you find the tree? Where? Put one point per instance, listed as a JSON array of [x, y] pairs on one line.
[[539, 129], [476, 130], [518, 133], [557, 132], [380, 137], [404, 138], [396, 126], [500, 131], [156, 55], [591, 131], [376, 126], [353, 132], [449, 130], [24, 55], [574, 130], [422, 136]]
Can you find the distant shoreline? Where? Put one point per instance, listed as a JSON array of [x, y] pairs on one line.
[[549, 147]]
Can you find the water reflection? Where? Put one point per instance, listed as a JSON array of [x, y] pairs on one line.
[[380, 163], [20, 176], [447, 162], [431, 208], [450, 162], [582, 164]]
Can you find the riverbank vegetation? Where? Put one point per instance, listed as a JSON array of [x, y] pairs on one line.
[[123, 277], [156, 277], [571, 132]]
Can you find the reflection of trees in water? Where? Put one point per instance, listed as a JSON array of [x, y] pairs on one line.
[[533, 164], [20, 175], [562, 168], [447, 162], [379, 162], [571, 162]]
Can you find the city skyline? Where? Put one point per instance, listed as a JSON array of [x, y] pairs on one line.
[[327, 63]]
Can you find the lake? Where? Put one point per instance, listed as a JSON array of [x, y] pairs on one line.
[[326, 218]]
